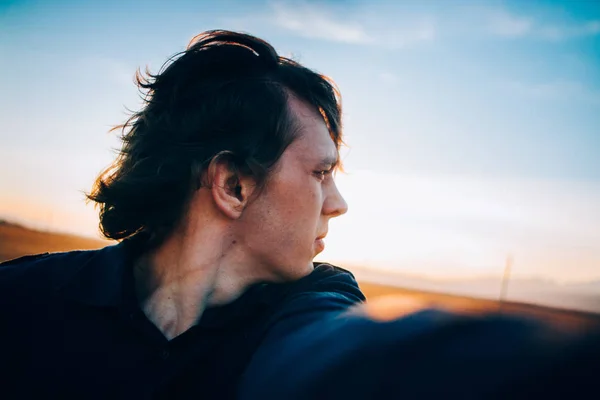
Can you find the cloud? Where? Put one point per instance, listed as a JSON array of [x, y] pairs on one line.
[[556, 90], [502, 23], [311, 22], [322, 22], [590, 28]]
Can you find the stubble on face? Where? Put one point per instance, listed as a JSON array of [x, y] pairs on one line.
[[284, 221]]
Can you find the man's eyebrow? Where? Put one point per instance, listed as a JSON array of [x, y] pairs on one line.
[[331, 161]]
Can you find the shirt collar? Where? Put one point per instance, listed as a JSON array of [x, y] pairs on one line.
[[106, 280], [102, 279]]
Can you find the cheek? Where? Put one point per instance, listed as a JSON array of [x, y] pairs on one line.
[[305, 201], [291, 210]]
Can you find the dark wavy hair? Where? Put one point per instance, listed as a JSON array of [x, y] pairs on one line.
[[227, 93]]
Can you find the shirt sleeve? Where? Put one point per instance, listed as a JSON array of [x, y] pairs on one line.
[[315, 349]]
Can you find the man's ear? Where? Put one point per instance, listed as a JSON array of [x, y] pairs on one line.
[[230, 189]]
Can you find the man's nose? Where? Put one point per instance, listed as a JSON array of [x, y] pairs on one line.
[[335, 205]]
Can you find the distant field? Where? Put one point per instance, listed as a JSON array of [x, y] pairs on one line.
[[566, 319], [16, 241]]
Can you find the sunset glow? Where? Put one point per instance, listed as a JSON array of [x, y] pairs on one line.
[[472, 130]]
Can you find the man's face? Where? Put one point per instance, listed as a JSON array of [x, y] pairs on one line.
[[284, 226]]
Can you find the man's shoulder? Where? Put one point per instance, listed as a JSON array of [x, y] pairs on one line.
[[327, 289], [328, 278], [39, 271]]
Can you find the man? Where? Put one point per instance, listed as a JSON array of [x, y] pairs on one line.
[[221, 198], [224, 182]]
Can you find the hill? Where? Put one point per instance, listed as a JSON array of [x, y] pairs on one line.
[[17, 241]]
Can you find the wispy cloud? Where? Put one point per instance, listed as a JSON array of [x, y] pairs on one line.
[[319, 21], [558, 90], [503, 23], [590, 28], [313, 22]]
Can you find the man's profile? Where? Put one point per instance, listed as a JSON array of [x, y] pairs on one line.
[[221, 198], [224, 182]]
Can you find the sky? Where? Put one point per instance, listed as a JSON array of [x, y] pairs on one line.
[[473, 128]]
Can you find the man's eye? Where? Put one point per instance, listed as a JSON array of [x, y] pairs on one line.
[[322, 174]]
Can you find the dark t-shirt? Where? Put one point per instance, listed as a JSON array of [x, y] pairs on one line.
[[72, 328]]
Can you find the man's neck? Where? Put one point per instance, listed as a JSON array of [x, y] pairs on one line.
[[188, 273]]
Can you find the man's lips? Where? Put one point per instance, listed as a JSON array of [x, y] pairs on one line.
[[320, 245]]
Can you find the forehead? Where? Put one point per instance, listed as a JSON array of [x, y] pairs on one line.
[[314, 142]]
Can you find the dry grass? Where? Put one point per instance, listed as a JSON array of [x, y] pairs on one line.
[[17, 241]]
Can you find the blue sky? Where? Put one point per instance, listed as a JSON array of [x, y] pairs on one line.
[[474, 127]]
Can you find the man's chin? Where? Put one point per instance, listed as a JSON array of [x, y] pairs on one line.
[[292, 271], [301, 272]]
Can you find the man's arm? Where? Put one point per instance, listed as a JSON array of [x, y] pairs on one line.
[[315, 350]]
